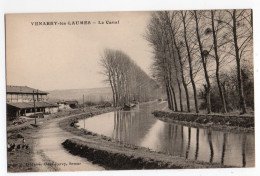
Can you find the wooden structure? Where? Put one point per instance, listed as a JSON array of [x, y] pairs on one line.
[[25, 101]]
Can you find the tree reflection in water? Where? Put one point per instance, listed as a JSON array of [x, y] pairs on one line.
[[243, 151], [188, 146], [211, 147], [142, 129], [223, 148], [197, 143], [182, 142]]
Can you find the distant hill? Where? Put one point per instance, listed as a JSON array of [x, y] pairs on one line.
[[93, 94]]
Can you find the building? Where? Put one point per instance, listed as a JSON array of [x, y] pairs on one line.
[[20, 102], [67, 104], [71, 104]]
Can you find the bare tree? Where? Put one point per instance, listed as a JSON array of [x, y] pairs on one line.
[[156, 35], [127, 80], [174, 25], [186, 20], [242, 40], [217, 59], [176, 55], [203, 54], [184, 44]]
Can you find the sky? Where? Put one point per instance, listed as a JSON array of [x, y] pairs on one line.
[[50, 57]]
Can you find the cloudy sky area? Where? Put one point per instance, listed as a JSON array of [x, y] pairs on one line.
[[67, 57]]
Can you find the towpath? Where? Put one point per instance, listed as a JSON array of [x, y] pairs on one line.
[[49, 154]]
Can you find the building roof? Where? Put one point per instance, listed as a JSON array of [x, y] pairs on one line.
[[71, 102], [27, 105], [23, 89]]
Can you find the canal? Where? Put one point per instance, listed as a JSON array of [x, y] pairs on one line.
[[141, 128]]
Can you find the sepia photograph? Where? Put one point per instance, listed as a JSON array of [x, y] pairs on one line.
[[130, 90]]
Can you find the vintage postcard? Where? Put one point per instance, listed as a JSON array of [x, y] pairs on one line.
[[130, 90]]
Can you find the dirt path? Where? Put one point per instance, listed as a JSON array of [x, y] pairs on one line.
[[49, 154]]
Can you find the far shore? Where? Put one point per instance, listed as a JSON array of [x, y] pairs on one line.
[[220, 122]]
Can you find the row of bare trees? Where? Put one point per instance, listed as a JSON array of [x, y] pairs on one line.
[[127, 80], [193, 48]]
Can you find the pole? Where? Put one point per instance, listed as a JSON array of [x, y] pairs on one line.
[[83, 104], [84, 109], [34, 108]]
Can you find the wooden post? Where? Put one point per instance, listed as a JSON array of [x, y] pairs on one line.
[[34, 108], [83, 104], [84, 109]]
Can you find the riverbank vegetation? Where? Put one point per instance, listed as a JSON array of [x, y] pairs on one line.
[[204, 59], [221, 122]]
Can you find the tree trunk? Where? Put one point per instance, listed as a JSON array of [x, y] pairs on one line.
[[215, 43], [187, 95], [170, 73], [113, 91], [190, 65], [168, 95], [182, 76], [172, 89], [116, 92], [180, 96], [170, 100], [204, 63], [174, 97], [175, 64], [251, 20], [239, 77]]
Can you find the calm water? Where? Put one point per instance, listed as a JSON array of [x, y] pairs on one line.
[[141, 128]]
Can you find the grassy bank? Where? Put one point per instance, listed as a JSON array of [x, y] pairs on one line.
[[234, 123], [17, 158], [113, 154]]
